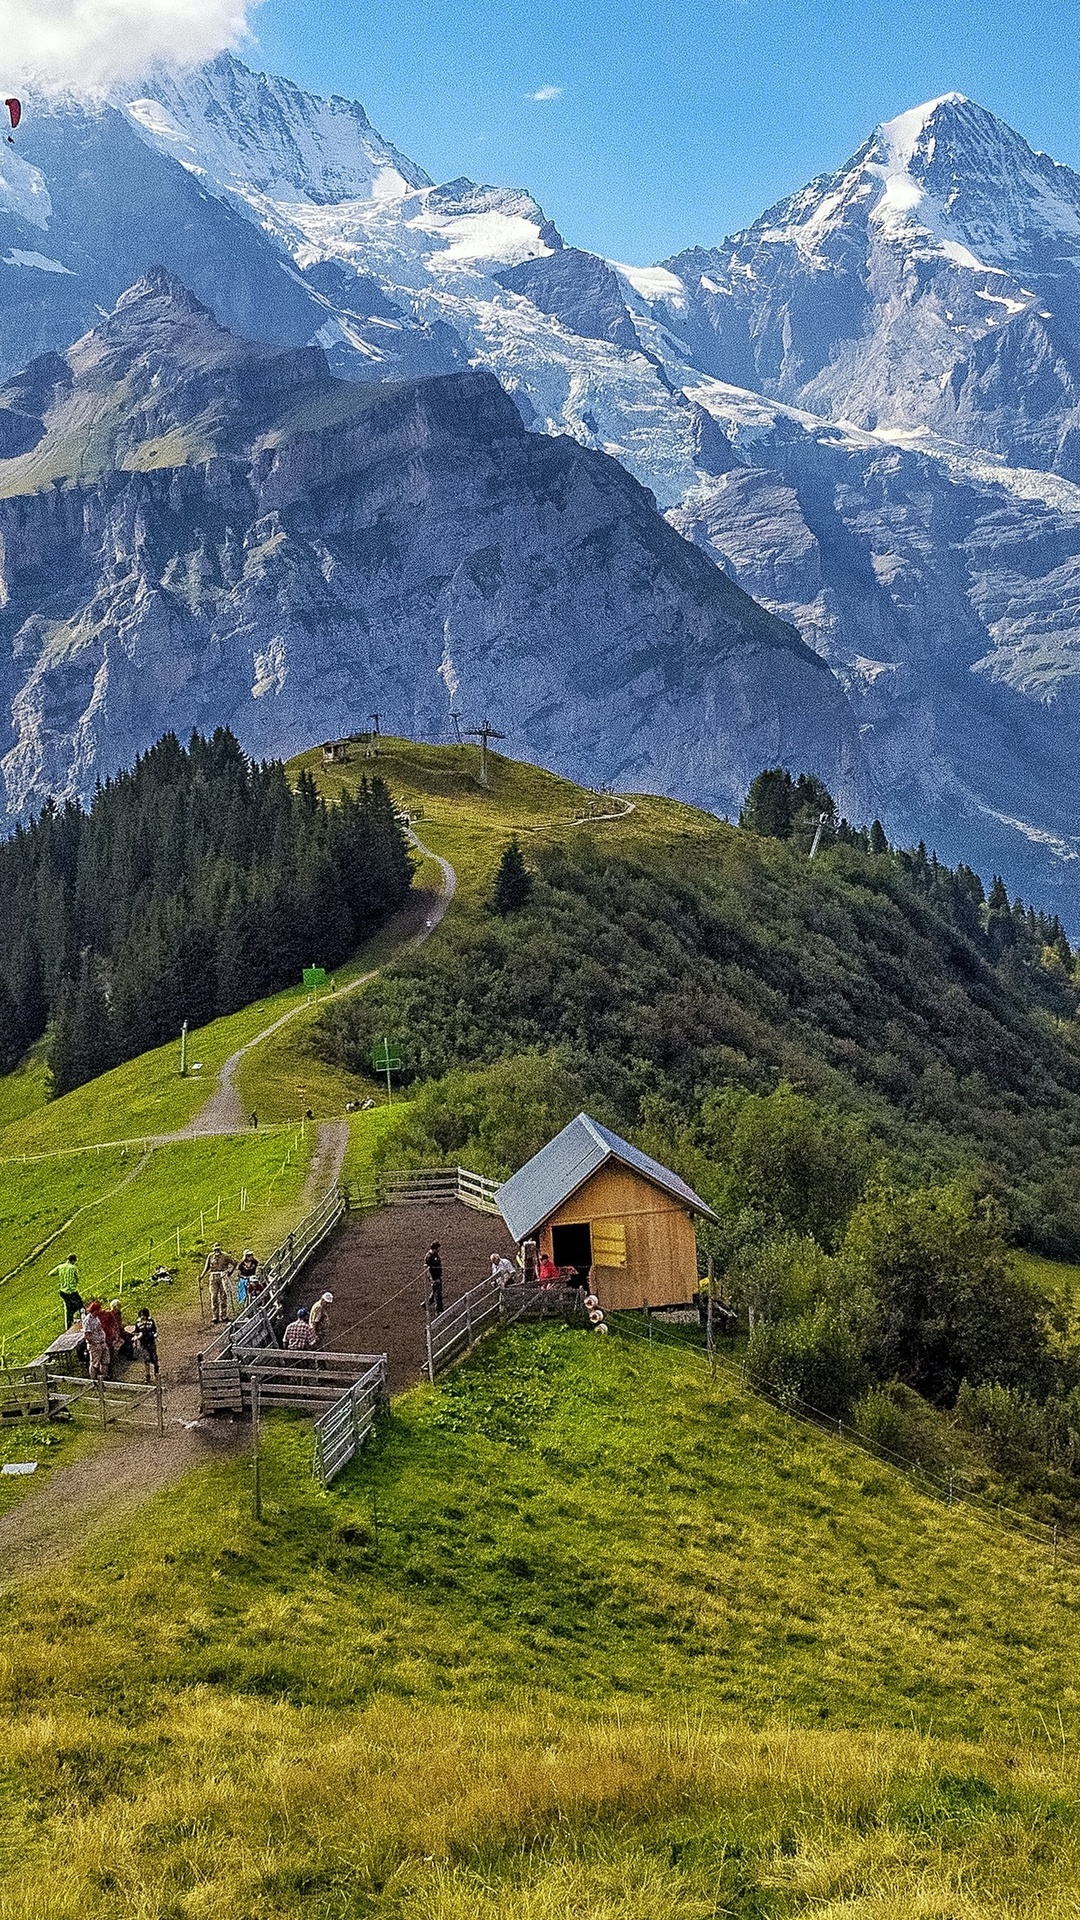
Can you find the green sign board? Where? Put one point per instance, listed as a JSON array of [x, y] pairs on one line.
[[314, 976], [387, 1058]]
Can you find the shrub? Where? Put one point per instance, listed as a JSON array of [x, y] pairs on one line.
[[813, 1358], [896, 1420]]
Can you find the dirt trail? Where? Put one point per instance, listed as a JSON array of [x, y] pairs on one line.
[[224, 1111], [374, 1267], [135, 1462], [131, 1464]]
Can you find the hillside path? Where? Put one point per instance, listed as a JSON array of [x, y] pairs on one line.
[[130, 1464], [136, 1462], [224, 1112]]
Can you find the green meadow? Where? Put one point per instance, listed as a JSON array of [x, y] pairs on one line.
[[582, 1635]]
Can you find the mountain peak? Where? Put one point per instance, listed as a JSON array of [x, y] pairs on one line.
[[257, 135], [903, 133]]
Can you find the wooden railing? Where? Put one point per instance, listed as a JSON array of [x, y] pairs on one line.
[[456, 1330], [437, 1186], [343, 1428], [253, 1329]]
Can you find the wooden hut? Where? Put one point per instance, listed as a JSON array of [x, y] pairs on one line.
[[600, 1206], [335, 753]]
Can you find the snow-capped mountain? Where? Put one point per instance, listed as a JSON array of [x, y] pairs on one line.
[[863, 408], [932, 283]]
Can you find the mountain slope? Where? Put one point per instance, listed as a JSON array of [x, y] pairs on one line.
[[862, 409], [197, 530], [929, 292]]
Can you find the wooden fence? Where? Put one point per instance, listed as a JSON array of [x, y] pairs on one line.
[[343, 1428], [304, 1378], [221, 1388], [37, 1392], [457, 1329], [438, 1186]]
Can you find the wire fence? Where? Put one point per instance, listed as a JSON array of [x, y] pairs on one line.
[[949, 1487], [147, 1142]]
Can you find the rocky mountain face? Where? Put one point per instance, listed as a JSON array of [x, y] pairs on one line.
[[197, 530], [862, 409]]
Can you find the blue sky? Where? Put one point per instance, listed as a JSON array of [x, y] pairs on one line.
[[669, 124]]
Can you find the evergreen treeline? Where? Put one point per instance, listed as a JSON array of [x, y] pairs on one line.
[[192, 885]]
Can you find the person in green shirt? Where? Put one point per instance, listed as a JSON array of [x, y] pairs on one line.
[[66, 1276]]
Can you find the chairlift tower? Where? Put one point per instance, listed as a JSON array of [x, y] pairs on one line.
[[373, 737], [485, 733]]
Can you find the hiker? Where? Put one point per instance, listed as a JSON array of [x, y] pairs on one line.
[[247, 1278], [433, 1263], [67, 1277], [298, 1334], [548, 1273], [319, 1319], [254, 1119], [219, 1265], [97, 1345], [145, 1335]]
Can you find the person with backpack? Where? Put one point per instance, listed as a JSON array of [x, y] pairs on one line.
[[97, 1345], [319, 1318], [219, 1265]]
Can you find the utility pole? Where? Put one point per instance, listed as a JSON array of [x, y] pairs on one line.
[[485, 733], [183, 1050]]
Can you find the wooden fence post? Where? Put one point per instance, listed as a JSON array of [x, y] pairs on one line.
[[255, 1443]]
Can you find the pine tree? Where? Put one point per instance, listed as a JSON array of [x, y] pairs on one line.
[[513, 882], [769, 807]]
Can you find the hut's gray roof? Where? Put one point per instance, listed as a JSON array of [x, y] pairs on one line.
[[541, 1186]]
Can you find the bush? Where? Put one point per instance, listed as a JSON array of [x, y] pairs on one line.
[[813, 1359], [1009, 1423], [492, 1120], [897, 1421], [947, 1305]]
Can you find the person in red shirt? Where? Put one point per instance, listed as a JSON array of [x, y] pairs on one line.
[[548, 1272]]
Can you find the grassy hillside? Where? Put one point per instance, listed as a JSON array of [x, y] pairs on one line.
[[667, 955], [624, 1646], [583, 1636]]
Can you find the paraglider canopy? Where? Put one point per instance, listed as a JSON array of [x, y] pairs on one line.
[[14, 110]]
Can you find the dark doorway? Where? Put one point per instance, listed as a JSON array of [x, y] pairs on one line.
[[572, 1247]]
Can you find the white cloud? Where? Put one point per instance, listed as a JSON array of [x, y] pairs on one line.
[[91, 45], [542, 93]]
